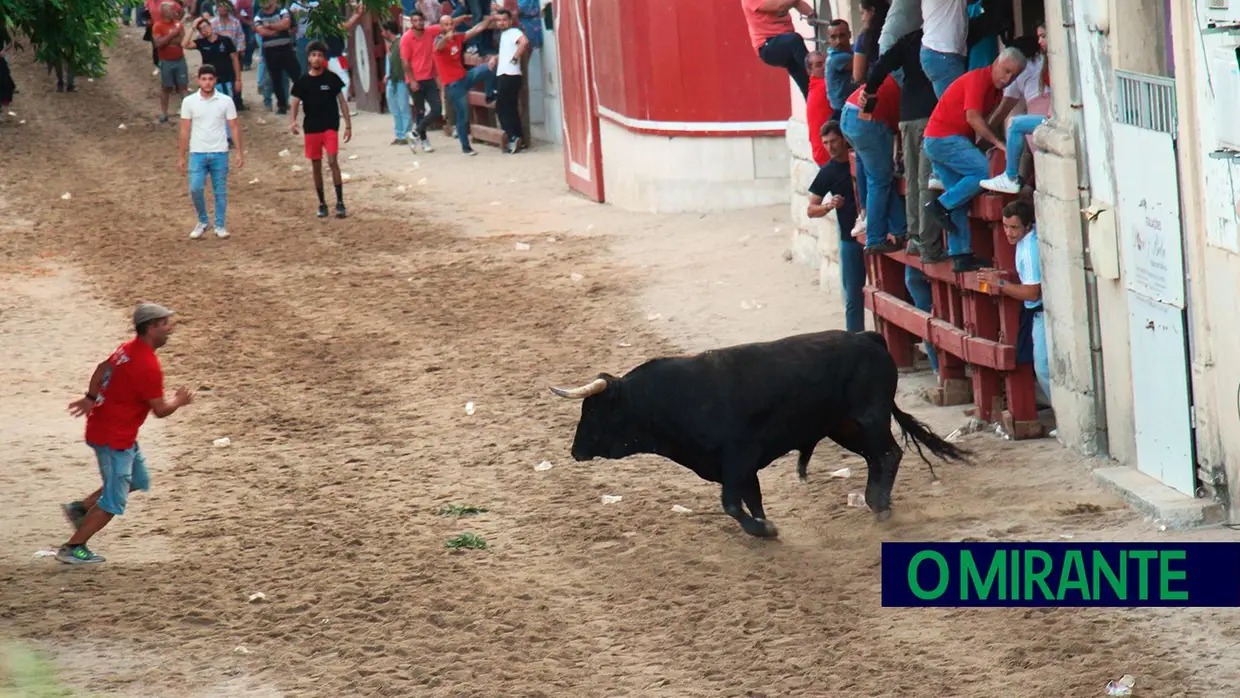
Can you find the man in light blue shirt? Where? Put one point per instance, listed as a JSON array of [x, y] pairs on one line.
[[1018, 226], [838, 73]]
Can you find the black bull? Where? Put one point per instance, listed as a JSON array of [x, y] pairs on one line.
[[728, 413]]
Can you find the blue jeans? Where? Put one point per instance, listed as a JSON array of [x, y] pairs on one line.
[[122, 471], [216, 165], [458, 92], [1020, 127], [398, 103], [942, 69], [923, 299], [852, 275], [247, 58], [788, 51], [962, 167], [1041, 358], [875, 144]]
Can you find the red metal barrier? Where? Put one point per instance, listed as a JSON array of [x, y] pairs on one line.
[[973, 333]]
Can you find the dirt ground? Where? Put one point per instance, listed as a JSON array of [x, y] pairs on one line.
[[338, 357]]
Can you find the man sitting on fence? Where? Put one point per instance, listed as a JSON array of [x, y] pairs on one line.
[[956, 123], [776, 40], [1031, 347]]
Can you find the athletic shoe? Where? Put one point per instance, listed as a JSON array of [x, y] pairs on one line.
[[197, 232], [426, 145], [1002, 184], [470, 152], [340, 212], [77, 555], [322, 210], [221, 233], [75, 513]]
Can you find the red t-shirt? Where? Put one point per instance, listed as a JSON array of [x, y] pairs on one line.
[[763, 25], [171, 51], [132, 379], [888, 109], [817, 113], [973, 90], [450, 61], [418, 53]]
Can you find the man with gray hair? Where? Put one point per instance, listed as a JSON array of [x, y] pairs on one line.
[[955, 125], [124, 388], [167, 35]]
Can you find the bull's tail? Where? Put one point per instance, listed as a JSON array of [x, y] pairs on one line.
[[920, 434]]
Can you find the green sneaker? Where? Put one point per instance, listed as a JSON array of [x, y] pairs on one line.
[[77, 555], [75, 513]]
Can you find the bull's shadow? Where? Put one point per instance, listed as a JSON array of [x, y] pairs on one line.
[[728, 413]]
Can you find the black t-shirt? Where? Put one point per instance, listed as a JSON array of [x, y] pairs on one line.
[[218, 54], [835, 179], [318, 98]]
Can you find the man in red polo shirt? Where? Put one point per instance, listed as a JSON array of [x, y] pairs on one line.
[[776, 40], [872, 133], [955, 124], [417, 52], [817, 105], [125, 387]]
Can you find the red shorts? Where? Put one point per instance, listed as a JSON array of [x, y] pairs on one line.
[[316, 143]]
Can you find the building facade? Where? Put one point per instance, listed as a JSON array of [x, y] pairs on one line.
[[1140, 250]]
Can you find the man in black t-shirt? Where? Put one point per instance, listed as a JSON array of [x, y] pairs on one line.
[[322, 92], [835, 180], [219, 52]]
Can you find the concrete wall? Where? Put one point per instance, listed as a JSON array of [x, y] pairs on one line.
[[672, 174]]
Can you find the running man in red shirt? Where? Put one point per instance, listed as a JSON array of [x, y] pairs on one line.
[[125, 387]]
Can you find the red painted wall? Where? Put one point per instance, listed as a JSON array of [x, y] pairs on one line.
[[682, 61]]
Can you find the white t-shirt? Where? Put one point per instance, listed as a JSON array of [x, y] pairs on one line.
[[1028, 262], [208, 131], [508, 49], [944, 26], [1028, 84]]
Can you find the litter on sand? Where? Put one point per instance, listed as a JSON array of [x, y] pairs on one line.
[[44, 553], [1121, 686], [284, 153], [521, 246], [653, 316], [346, 176], [257, 596], [352, 157], [469, 408], [121, 127], [545, 465], [576, 277], [297, 168], [842, 472], [681, 510], [66, 196], [254, 181], [224, 442], [401, 188], [422, 181], [610, 498], [240, 649], [856, 499]]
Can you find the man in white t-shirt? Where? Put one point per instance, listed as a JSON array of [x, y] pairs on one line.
[[944, 42], [207, 117], [512, 47]]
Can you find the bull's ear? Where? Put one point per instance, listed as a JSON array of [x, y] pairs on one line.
[[594, 387]]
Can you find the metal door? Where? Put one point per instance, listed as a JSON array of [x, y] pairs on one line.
[[1152, 241], [583, 154]]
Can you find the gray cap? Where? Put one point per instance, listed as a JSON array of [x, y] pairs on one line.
[[150, 311]]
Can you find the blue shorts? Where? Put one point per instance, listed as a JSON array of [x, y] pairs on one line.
[[122, 471]]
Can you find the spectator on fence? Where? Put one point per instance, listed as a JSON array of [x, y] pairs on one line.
[[396, 87], [1033, 83], [173, 72], [838, 71], [531, 21], [832, 190], [449, 54], [872, 133], [776, 40], [513, 46], [817, 106], [955, 125], [917, 102], [275, 25], [1031, 346], [944, 49]]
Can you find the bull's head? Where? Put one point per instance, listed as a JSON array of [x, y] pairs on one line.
[[603, 430]]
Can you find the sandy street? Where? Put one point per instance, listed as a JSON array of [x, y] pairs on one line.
[[338, 357]]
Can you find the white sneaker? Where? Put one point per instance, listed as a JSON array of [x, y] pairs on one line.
[[221, 233], [936, 185], [426, 146], [1002, 184], [197, 232]]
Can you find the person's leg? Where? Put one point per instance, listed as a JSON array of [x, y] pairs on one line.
[[919, 289], [959, 241], [398, 114], [429, 89], [788, 51], [873, 145], [910, 137], [247, 58], [458, 92], [331, 145], [116, 470], [218, 168], [852, 277], [507, 108], [197, 189], [275, 73], [1020, 127], [1041, 355]]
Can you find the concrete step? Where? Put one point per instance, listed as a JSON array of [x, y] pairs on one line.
[[1169, 507]]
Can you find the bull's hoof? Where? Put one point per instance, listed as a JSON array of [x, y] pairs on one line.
[[882, 515], [768, 529]]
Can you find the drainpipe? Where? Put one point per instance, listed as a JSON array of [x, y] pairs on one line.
[[1068, 17]]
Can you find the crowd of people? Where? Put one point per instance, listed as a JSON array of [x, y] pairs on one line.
[[925, 91]]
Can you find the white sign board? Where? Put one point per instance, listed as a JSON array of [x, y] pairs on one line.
[[1149, 213]]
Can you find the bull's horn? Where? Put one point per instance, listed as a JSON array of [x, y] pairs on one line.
[[594, 387]]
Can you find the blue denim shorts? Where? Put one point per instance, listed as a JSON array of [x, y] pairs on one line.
[[122, 471]]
